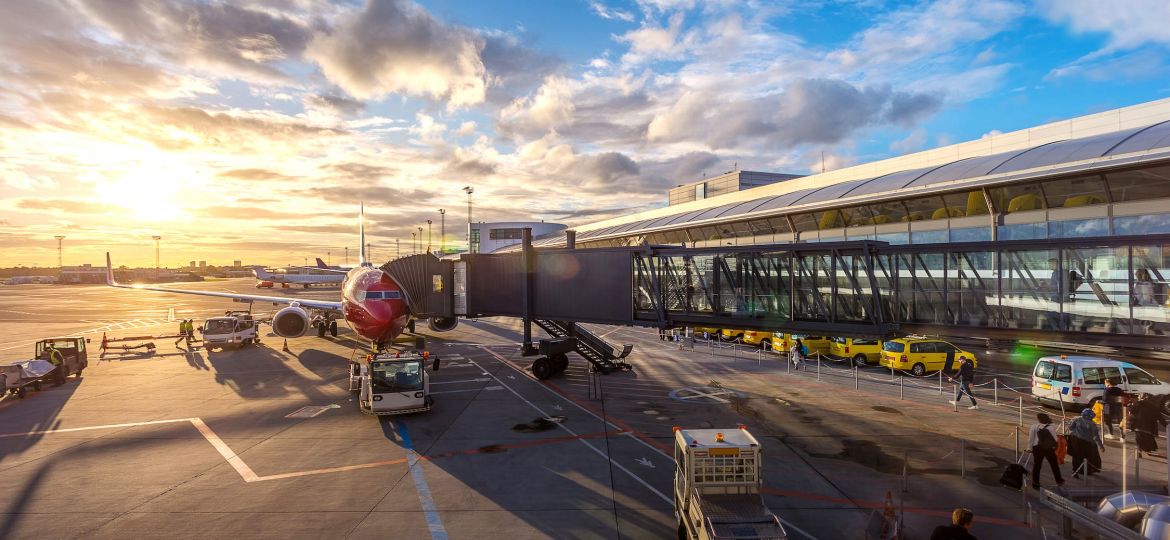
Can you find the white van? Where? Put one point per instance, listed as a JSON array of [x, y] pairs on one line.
[[1076, 381]]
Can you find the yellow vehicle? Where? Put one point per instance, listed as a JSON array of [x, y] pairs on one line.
[[709, 330], [731, 334], [763, 339], [856, 350], [816, 344], [921, 354]]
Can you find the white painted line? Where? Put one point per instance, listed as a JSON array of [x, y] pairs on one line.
[[234, 460], [481, 379], [457, 391], [598, 451], [109, 426]]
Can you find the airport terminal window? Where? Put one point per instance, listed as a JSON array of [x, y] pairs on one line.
[[1074, 192], [1018, 198], [923, 208], [1023, 231], [830, 219], [1147, 224], [971, 234], [957, 204], [888, 212], [1078, 228], [805, 222], [894, 238], [1139, 184], [506, 234], [857, 216], [779, 225]]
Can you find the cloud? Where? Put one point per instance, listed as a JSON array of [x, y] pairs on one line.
[[374, 195], [473, 168], [809, 111], [255, 174], [609, 13], [591, 172], [919, 31], [359, 171], [466, 128], [247, 212], [652, 42], [63, 206], [1128, 24], [184, 127], [395, 46], [336, 105], [514, 68]]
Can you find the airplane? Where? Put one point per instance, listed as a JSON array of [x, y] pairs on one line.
[[297, 279], [372, 304]]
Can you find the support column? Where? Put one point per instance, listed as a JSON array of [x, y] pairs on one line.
[[571, 239], [529, 256]]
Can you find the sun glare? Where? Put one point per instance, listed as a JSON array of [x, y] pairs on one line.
[[148, 193]]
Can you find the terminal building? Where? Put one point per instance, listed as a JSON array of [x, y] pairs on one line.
[[490, 237], [1063, 227]]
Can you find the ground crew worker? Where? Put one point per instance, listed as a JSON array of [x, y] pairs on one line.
[[58, 361], [183, 333]]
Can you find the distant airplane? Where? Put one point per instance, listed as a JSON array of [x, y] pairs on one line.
[[371, 303], [297, 279]]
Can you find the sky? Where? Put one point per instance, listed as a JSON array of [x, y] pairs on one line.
[[252, 129]]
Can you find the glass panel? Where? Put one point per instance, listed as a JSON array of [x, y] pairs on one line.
[[779, 225], [955, 205], [971, 281], [971, 234], [1029, 299], [1149, 294], [1137, 376], [805, 222], [1155, 136], [1044, 370], [1074, 192], [928, 237], [857, 216], [1018, 198], [1023, 231], [894, 238], [1062, 373], [831, 219], [924, 208], [1078, 228], [888, 212], [1097, 286], [1140, 184], [1147, 224]]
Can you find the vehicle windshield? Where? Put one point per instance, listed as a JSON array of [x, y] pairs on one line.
[[893, 346], [396, 376], [219, 326]]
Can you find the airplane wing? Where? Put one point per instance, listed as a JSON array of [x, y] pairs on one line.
[[306, 303]]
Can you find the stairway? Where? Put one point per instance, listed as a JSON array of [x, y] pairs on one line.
[[592, 348]]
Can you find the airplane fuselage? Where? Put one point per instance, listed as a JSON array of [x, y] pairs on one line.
[[373, 305]]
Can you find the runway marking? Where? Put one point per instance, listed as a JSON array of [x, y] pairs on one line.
[[596, 450], [457, 391], [481, 379], [434, 522]]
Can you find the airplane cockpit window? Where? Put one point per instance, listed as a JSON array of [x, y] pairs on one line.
[[396, 376]]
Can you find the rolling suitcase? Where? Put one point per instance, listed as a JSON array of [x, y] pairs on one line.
[[1014, 474]]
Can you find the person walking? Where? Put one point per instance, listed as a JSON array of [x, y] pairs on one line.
[[797, 354], [1084, 444], [1042, 441], [959, 529], [182, 331], [1114, 408], [1147, 421], [965, 377]]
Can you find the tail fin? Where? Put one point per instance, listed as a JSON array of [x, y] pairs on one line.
[[321, 264], [110, 272], [261, 273], [362, 258]]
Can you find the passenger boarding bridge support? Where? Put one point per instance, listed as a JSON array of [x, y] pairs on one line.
[[1106, 290]]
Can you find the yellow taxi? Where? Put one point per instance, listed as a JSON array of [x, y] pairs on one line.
[[708, 330], [816, 344], [921, 354], [731, 334], [753, 337], [856, 350]]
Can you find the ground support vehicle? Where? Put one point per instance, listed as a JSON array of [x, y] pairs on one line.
[[147, 346], [16, 377], [74, 357], [264, 285], [234, 329], [392, 382], [717, 486]]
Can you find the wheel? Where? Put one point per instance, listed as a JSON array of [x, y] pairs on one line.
[[79, 369], [542, 368], [321, 329], [766, 344], [860, 360], [333, 328], [36, 386], [561, 361], [918, 370], [1164, 406], [21, 392]]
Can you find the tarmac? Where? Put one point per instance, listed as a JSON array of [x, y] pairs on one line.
[[263, 443]]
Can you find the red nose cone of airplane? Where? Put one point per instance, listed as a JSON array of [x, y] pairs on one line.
[[373, 305]]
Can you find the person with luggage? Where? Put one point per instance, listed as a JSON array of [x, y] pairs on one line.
[[965, 377], [1114, 408], [1146, 421], [1042, 441], [959, 529], [1084, 444], [797, 354]]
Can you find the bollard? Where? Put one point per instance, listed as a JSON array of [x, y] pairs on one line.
[[1021, 410], [818, 366], [901, 390], [855, 383], [962, 458], [905, 471], [1137, 469], [940, 381], [1017, 431], [788, 361], [995, 391], [956, 394]]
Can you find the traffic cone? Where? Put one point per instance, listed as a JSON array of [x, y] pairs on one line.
[[888, 516], [285, 349]]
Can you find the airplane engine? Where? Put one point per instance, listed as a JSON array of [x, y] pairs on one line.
[[291, 321], [442, 324]]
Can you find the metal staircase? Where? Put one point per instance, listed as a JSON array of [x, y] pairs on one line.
[[592, 348]]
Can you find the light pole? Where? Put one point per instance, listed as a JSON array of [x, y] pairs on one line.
[[59, 239], [347, 255], [412, 241], [442, 231], [397, 250], [418, 249], [469, 190], [429, 236], [156, 238], [328, 258]]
